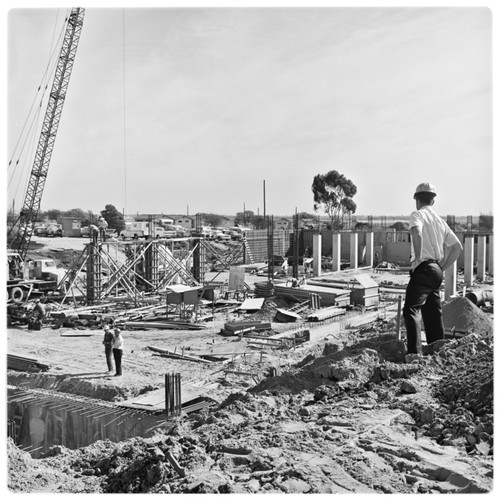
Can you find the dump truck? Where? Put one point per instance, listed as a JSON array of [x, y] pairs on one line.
[[30, 279]]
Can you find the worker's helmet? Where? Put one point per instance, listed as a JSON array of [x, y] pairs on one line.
[[426, 187], [117, 330], [106, 327]]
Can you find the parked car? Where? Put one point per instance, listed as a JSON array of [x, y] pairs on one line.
[[163, 232], [220, 236], [54, 230], [179, 231], [40, 230]]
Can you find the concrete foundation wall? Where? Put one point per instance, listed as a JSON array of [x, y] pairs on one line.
[[388, 245], [40, 426]]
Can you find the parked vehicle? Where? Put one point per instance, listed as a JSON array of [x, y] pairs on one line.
[[40, 230], [33, 278], [133, 233], [54, 230], [207, 232], [162, 232], [135, 230], [179, 231], [238, 232], [220, 236]]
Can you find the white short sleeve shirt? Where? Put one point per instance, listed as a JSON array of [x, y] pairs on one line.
[[436, 234]]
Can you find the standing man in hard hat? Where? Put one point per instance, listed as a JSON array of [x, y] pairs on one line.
[[429, 235]]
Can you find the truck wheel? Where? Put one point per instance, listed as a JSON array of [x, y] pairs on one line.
[[16, 294]]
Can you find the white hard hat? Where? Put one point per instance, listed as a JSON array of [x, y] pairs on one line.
[[426, 187]]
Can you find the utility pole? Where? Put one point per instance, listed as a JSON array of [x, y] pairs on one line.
[[264, 196]]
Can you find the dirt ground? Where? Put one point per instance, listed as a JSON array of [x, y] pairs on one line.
[[344, 413]]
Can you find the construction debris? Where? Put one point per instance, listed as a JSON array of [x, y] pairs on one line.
[[286, 316]]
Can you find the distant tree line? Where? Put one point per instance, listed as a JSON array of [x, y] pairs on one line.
[[113, 217]]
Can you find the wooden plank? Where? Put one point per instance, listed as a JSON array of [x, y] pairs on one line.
[[252, 304], [225, 349], [172, 354]]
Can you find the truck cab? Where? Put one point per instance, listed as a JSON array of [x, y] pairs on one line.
[[35, 277], [45, 269]]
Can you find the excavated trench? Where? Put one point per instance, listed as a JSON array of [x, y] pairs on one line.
[[40, 416]]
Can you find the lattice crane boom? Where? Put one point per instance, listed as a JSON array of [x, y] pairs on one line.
[[57, 96]]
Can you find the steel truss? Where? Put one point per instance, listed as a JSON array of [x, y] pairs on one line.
[[136, 269]]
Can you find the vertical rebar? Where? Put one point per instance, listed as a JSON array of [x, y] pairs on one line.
[[173, 400]]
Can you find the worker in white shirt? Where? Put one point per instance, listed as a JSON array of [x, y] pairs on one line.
[[118, 351], [429, 236]]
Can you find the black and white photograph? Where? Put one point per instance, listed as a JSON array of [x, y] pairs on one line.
[[249, 247]]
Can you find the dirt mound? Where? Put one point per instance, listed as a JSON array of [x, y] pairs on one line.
[[460, 313], [72, 385], [384, 435], [26, 474], [464, 415]]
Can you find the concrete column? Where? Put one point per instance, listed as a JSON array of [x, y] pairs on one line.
[[468, 260], [450, 281], [369, 249], [336, 251], [481, 257], [354, 250], [317, 254], [491, 254]]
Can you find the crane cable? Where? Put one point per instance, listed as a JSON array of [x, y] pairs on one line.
[[33, 118], [124, 115]]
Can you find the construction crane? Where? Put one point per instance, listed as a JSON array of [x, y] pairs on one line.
[[19, 236]]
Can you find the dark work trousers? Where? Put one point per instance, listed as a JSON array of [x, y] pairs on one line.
[[422, 297], [108, 350], [117, 353]]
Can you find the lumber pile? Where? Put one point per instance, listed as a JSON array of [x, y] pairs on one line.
[[25, 364], [328, 296], [161, 325], [241, 327], [326, 313]]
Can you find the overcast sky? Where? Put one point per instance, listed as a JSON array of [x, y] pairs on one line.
[[191, 109]]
